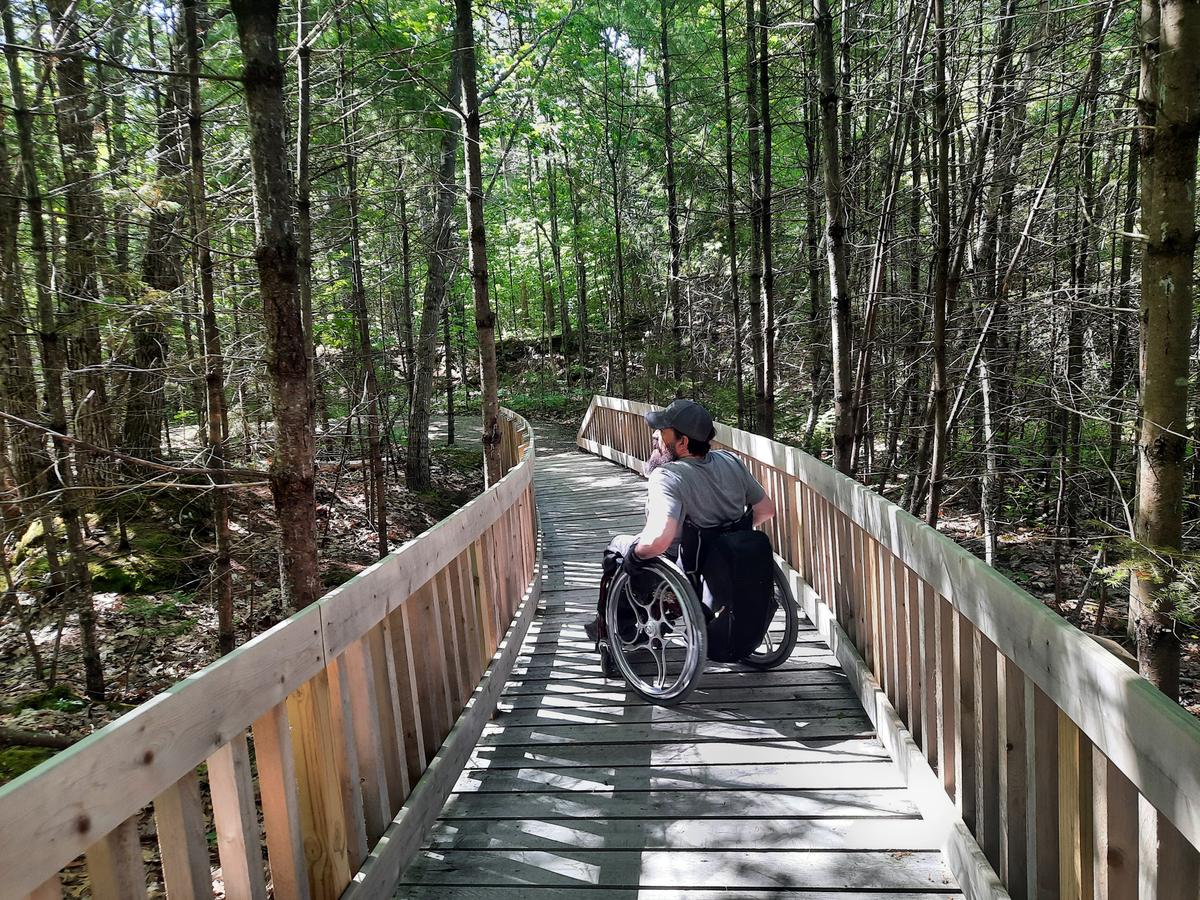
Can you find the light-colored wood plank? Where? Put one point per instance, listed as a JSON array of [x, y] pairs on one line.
[[1013, 786], [799, 729], [1042, 785], [665, 868], [1117, 854], [784, 776], [277, 785], [750, 713], [345, 758], [114, 863], [384, 677], [236, 820], [897, 835], [965, 755], [767, 752], [50, 889], [408, 697], [321, 811], [180, 825], [357, 668], [1074, 811], [527, 892]]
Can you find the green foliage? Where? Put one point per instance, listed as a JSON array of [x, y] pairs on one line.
[[159, 615], [60, 698], [1176, 574]]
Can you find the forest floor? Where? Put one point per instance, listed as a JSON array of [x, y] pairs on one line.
[[156, 619]]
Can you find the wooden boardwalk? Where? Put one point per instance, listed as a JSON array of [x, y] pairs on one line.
[[759, 785]]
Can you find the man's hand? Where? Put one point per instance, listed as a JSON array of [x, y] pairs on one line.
[[631, 564]]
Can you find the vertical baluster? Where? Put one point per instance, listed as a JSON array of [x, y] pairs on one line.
[[181, 827], [947, 689], [443, 594], [277, 786], [1041, 718], [964, 750], [1014, 870], [408, 695], [341, 718], [916, 680], [357, 668], [1116, 828], [114, 863], [987, 748], [384, 674], [929, 656], [896, 584], [888, 631], [236, 820]]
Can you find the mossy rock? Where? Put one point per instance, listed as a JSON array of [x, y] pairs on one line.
[[158, 560], [16, 761]]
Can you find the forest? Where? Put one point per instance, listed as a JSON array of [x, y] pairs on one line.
[[250, 253]]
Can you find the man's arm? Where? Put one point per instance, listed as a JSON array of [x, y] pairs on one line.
[[764, 509], [661, 524], [657, 536]]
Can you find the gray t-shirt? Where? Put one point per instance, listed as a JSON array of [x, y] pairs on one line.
[[709, 491]]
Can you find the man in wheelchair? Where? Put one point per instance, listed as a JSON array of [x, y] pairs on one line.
[[701, 507]]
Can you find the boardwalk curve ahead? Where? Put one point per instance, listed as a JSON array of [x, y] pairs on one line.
[[761, 783]]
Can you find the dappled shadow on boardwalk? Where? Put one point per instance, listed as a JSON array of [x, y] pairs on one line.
[[761, 784]]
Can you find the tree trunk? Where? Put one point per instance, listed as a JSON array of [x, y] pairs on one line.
[[358, 290], [673, 233], [214, 363], [765, 413], [416, 464], [941, 270], [835, 241], [162, 275], [80, 288], [79, 579], [276, 254], [731, 250], [754, 159], [304, 201], [1169, 121]]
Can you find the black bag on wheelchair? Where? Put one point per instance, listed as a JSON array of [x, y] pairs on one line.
[[738, 566]]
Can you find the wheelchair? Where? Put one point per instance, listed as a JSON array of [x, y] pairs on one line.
[[658, 632]]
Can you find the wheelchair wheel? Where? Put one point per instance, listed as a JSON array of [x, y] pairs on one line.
[[657, 633], [780, 639]]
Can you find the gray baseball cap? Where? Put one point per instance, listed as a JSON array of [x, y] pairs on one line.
[[685, 416]]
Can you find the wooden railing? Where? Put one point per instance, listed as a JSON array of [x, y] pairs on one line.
[[335, 735], [1048, 762]]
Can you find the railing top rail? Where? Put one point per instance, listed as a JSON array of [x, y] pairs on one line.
[[64, 805], [1151, 739]]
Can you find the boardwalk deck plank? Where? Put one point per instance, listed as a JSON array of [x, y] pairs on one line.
[[766, 785]]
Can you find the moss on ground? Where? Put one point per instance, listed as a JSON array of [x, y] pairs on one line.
[[16, 761]]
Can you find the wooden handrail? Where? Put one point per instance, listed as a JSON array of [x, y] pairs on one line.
[[1076, 776], [345, 704]]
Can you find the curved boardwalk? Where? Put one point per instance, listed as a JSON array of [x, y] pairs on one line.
[[765, 785]]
